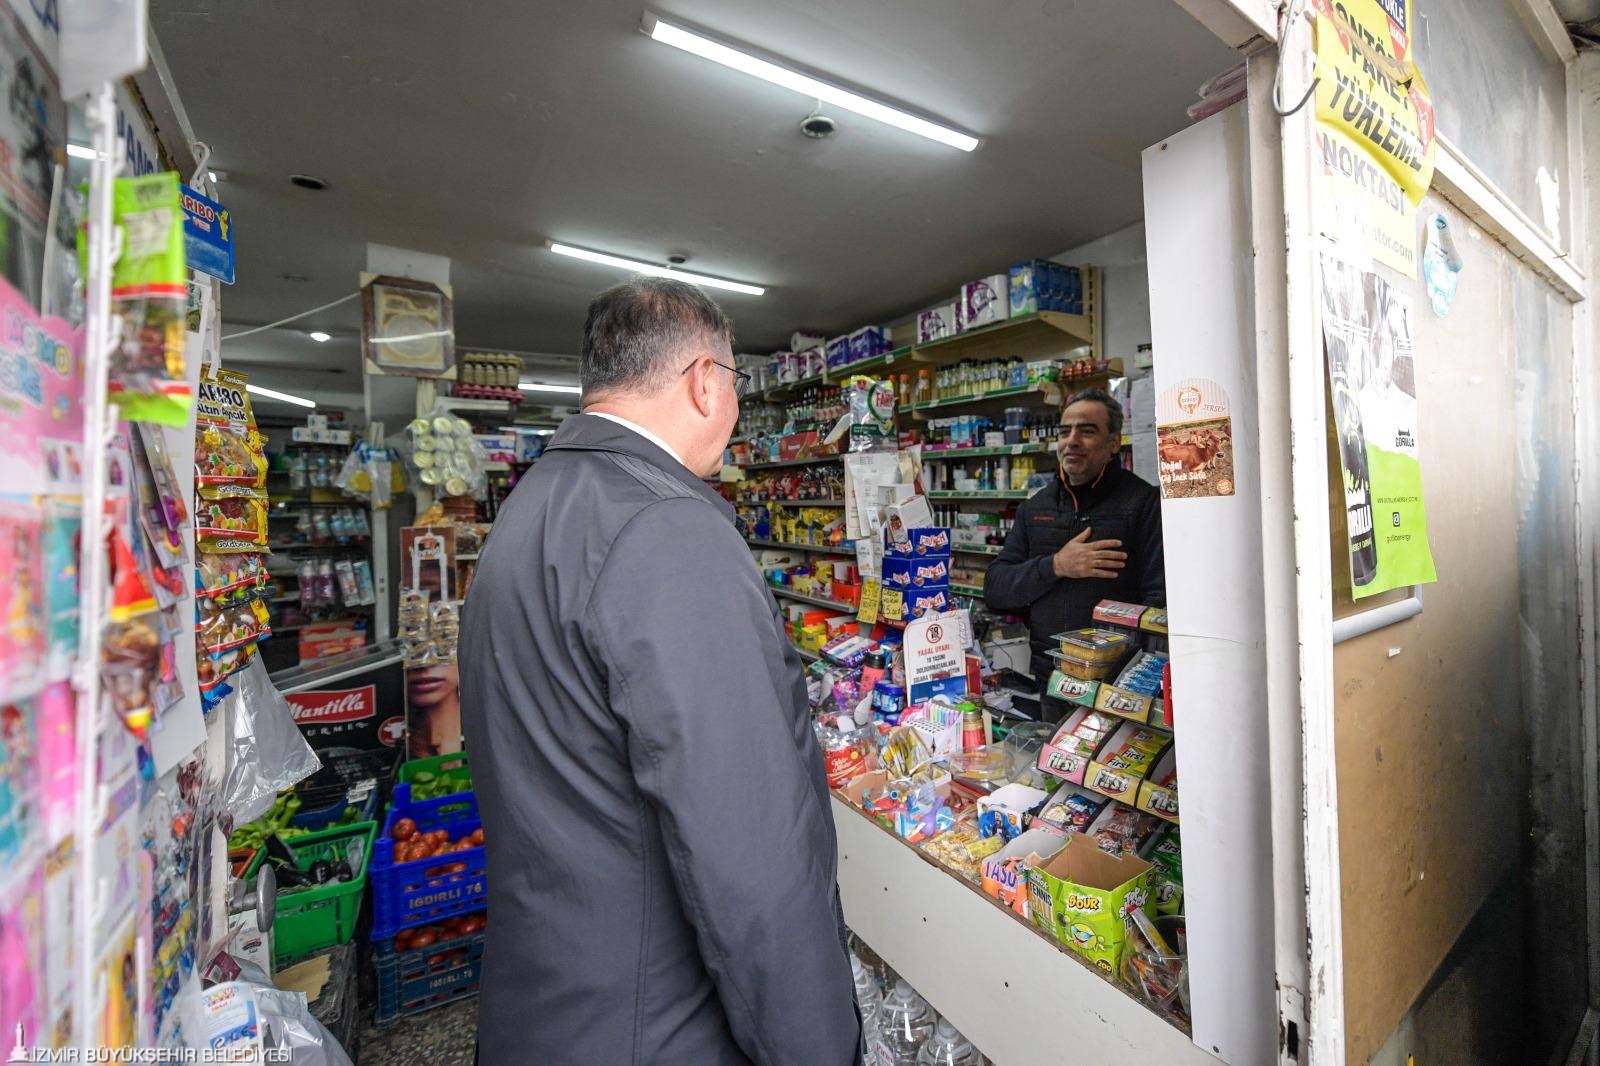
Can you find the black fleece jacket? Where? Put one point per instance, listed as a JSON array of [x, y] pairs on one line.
[[1118, 506]]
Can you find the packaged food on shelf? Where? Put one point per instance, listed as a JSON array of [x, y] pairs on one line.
[[149, 295], [1071, 809], [229, 451], [1075, 743], [1167, 857], [962, 848], [1005, 873], [1121, 830], [1095, 645]]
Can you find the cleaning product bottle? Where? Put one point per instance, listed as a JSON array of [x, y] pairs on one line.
[[868, 1001], [905, 1021], [946, 1047]]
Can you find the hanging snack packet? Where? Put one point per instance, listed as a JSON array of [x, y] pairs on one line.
[[229, 452], [130, 648], [219, 630], [149, 294], [235, 524], [229, 580]]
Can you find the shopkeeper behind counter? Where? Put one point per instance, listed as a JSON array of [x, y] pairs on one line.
[[1094, 534]]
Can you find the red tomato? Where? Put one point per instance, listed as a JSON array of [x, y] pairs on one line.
[[404, 829]]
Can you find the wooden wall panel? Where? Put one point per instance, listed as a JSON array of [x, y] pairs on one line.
[[1431, 777]]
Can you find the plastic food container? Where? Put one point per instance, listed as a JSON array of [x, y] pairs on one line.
[[1095, 645], [1076, 666]]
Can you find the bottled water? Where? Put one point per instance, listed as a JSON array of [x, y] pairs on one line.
[[905, 1021], [946, 1047], [868, 999]]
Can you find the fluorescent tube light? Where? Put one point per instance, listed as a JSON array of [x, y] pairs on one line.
[[80, 151], [539, 386], [272, 394], [640, 267], [742, 61], [319, 336]]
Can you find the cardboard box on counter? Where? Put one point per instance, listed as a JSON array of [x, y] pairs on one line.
[[1081, 895]]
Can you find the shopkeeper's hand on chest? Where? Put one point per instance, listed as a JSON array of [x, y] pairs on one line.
[[1082, 557]]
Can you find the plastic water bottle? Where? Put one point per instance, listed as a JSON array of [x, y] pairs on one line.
[[905, 1022], [946, 1047], [868, 999]]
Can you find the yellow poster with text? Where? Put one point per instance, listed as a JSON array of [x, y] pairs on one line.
[[1369, 89], [1361, 206]]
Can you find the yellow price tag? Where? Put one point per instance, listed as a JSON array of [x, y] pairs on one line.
[[894, 605], [868, 612]]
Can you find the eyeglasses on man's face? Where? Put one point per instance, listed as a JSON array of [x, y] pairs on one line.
[[741, 380]]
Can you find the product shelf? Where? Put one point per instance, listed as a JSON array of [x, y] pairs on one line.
[[466, 403], [1035, 336], [794, 503], [979, 549], [966, 590], [1046, 389], [800, 547], [776, 464], [1016, 993], [815, 601], [930, 454], [783, 389], [992, 494]]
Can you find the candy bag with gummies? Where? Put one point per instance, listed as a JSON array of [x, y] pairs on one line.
[[229, 453]]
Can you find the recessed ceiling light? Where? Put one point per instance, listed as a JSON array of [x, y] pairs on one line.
[[80, 151], [740, 58], [539, 386], [273, 394], [319, 336], [307, 181], [212, 174], [653, 269]]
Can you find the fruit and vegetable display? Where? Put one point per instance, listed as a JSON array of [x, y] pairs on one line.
[[276, 821], [410, 844], [449, 929], [427, 786]]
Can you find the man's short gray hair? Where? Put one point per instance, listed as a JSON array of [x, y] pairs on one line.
[[1113, 408], [637, 330]]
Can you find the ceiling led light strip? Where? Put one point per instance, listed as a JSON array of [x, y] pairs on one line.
[[272, 394], [539, 386], [804, 84], [640, 267]]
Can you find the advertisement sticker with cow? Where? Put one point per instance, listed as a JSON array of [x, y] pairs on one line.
[[1194, 440]]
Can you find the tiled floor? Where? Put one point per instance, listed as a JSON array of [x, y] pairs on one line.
[[443, 1036]]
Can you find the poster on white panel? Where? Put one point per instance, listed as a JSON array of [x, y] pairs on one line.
[[1372, 372], [1194, 440]]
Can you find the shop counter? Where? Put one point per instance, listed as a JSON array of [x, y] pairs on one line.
[[1014, 993]]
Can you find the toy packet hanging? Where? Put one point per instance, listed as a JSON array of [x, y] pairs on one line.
[[149, 293], [229, 453]]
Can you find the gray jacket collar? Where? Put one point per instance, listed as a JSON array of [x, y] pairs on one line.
[[586, 433]]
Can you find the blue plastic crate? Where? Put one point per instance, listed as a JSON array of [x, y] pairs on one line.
[[424, 891], [420, 979]]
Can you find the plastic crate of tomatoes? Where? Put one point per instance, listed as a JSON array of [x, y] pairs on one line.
[[429, 863], [429, 966]]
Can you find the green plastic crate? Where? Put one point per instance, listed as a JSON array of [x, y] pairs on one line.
[[313, 919], [452, 767]]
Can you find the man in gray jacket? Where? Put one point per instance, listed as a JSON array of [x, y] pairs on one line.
[[662, 861]]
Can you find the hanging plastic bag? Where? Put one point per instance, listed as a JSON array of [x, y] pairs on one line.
[[266, 751], [250, 1021]]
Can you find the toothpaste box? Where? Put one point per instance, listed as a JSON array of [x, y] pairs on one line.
[[917, 572]]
